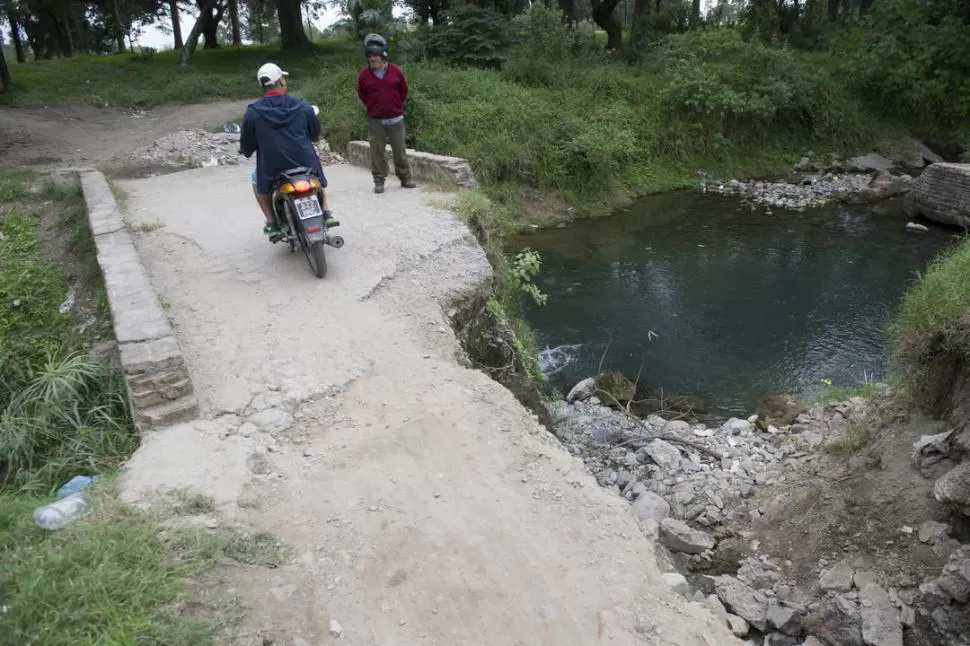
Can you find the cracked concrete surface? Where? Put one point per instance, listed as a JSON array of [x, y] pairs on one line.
[[423, 503]]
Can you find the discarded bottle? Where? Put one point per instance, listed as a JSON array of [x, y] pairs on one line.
[[60, 513], [75, 484]]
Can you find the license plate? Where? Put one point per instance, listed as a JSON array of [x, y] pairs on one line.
[[308, 207]]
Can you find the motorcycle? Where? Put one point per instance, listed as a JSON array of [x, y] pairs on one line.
[[297, 200]]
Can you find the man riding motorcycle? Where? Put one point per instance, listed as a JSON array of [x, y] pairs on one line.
[[281, 130]]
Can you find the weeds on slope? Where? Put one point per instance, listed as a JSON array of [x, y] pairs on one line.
[[117, 576]]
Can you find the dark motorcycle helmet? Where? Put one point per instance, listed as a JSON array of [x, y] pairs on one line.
[[375, 45]]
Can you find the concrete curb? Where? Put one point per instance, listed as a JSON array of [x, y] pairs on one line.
[[423, 165], [160, 388]]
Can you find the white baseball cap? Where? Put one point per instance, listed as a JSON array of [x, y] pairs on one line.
[[270, 73]]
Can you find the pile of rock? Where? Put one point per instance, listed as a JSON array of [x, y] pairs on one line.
[[861, 180], [197, 148], [705, 474], [692, 485]]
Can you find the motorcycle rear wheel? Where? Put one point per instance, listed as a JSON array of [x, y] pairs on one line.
[[316, 258]]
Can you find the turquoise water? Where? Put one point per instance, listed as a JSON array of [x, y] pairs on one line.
[[705, 296]]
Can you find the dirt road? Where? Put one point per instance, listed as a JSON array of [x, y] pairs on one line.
[[422, 503], [99, 137]]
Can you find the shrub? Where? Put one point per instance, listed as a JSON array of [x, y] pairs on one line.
[[473, 37], [911, 61], [718, 88]]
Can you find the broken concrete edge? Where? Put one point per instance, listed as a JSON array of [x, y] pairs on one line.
[[423, 165], [160, 390]]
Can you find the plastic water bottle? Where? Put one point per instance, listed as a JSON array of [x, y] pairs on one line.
[[60, 513], [75, 484]]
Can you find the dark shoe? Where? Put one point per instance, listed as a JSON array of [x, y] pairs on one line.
[[329, 220], [270, 230], [408, 183], [378, 188]]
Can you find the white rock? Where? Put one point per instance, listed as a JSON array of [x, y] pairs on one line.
[[664, 454], [582, 391], [650, 505], [837, 578], [880, 620], [738, 625], [335, 629], [677, 582], [742, 600], [680, 537], [272, 420]]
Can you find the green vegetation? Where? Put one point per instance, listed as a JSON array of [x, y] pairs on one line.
[[843, 393], [116, 576], [511, 281], [550, 120], [931, 335]]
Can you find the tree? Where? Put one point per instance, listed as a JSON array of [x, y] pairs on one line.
[[193, 40], [603, 16], [259, 22], [173, 10], [12, 13], [5, 81], [234, 22], [290, 16]]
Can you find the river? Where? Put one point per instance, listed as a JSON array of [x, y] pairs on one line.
[[703, 295]]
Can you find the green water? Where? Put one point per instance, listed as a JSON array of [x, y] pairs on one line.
[[702, 295]]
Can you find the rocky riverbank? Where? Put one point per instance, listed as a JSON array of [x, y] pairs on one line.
[[814, 182], [724, 502]]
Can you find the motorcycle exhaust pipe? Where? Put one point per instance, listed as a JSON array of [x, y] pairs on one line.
[[335, 241]]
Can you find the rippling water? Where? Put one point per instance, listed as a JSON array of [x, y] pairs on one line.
[[705, 296]]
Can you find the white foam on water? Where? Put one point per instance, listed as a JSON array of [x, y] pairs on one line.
[[552, 360]]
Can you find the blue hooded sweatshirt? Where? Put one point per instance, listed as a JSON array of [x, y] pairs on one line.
[[280, 129]]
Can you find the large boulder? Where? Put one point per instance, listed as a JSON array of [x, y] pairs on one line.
[[941, 194]]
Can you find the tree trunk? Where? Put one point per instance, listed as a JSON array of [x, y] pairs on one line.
[[234, 21], [833, 10], [193, 40], [641, 19], [4, 73], [695, 14], [173, 8], [292, 35], [864, 7], [568, 9], [119, 32], [18, 45], [210, 30], [603, 16]]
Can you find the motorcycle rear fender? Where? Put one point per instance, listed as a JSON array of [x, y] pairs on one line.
[[314, 228]]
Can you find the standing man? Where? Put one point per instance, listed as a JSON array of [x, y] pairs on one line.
[[382, 88], [281, 130]]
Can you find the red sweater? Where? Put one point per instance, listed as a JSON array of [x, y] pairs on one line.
[[383, 98]]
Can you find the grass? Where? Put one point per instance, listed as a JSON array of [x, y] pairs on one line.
[[118, 576], [843, 393], [930, 338], [935, 312]]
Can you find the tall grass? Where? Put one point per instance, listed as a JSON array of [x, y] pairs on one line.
[[934, 315], [930, 338], [71, 418]]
